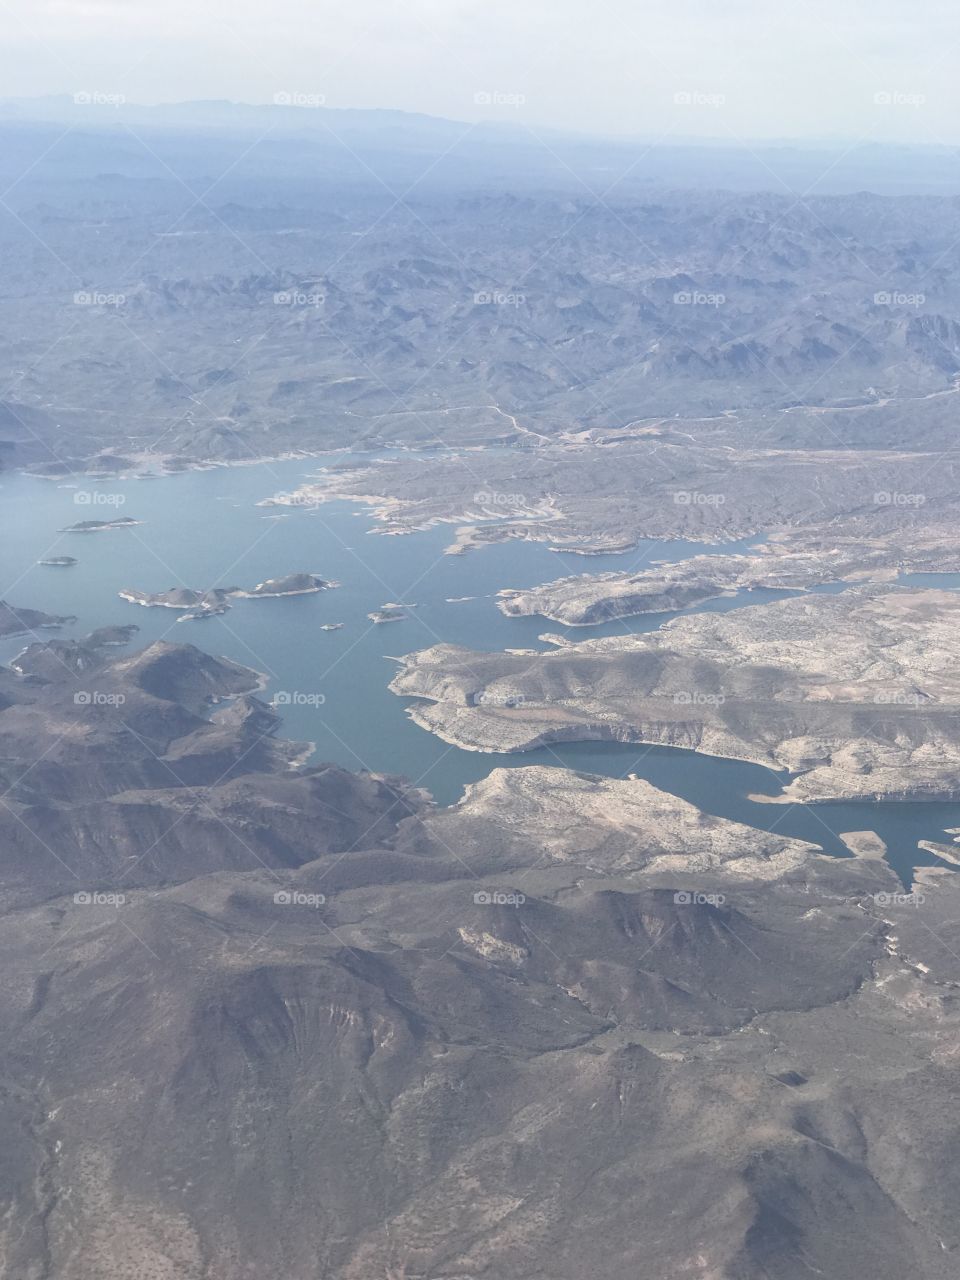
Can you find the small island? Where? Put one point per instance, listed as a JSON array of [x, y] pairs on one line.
[[388, 613], [59, 562], [97, 526], [331, 626], [294, 584], [212, 601]]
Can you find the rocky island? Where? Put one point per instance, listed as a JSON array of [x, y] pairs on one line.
[[98, 526], [209, 603], [59, 562], [180, 598], [294, 584]]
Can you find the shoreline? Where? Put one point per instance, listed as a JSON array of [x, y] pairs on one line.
[[223, 464], [385, 508]]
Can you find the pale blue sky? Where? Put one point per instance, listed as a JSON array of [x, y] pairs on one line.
[[852, 69]]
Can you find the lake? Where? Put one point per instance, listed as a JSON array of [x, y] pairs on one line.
[[204, 529]]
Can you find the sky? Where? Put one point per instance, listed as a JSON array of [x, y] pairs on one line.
[[851, 70]]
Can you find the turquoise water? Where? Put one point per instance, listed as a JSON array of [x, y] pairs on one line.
[[204, 529]]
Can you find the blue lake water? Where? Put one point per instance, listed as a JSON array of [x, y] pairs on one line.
[[204, 529]]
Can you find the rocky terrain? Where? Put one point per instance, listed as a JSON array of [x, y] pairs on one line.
[[153, 768], [570, 1022], [262, 1018], [503, 304], [856, 694], [586, 498]]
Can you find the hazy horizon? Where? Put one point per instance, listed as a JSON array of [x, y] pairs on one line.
[[675, 71]]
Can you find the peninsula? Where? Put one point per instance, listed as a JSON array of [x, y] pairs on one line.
[[857, 695]]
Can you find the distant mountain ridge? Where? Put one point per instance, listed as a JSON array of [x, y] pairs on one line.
[[255, 324]]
